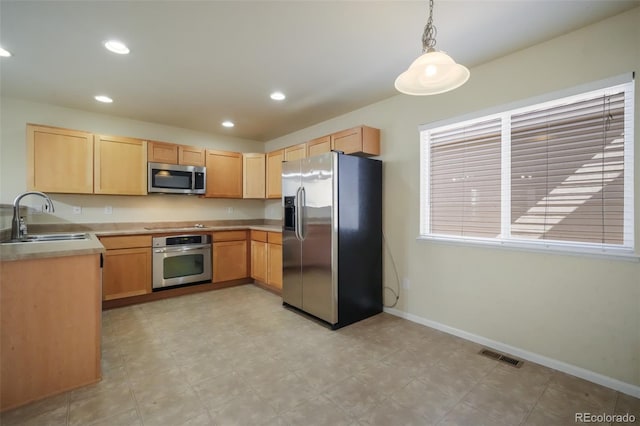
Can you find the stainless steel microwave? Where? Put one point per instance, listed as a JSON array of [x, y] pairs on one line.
[[176, 179]]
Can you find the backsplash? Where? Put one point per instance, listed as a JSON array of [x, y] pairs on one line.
[[76, 209]]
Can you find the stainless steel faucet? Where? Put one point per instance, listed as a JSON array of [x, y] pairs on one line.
[[17, 231]]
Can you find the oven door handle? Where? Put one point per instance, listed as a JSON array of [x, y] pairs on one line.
[[181, 249]]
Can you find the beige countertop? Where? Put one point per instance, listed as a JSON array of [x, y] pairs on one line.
[[36, 250], [174, 229]]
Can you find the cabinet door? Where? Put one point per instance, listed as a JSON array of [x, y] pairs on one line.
[[253, 167], [59, 160], [162, 152], [126, 272], [361, 140], [259, 261], [274, 267], [224, 174], [191, 156], [120, 166], [295, 152], [274, 174], [229, 260], [319, 146]]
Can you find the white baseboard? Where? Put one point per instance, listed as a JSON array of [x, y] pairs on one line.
[[591, 376]]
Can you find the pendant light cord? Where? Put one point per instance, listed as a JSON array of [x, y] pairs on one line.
[[430, 32]]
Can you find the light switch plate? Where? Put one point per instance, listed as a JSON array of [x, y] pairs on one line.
[[77, 210], [108, 210]]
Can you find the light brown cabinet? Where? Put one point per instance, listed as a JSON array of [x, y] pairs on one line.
[[162, 152], [259, 256], [170, 153], [319, 146], [50, 327], [253, 182], [229, 255], [266, 258], [191, 155], [361, 140], [59, 160], [126, 269], [224, 174], [120, 165], [295, 152], [274, 260], [274, 174]]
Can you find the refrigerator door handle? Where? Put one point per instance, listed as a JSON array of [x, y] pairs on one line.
[[303, 202], [297, 215]]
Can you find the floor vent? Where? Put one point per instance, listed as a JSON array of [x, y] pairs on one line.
[[500, 357]]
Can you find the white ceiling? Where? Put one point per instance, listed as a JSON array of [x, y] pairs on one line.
[[194, 64]]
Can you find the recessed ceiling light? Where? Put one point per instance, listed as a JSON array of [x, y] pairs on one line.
[[4, 53], [228, 123], [116, 47], [278, 96], [104, 99]]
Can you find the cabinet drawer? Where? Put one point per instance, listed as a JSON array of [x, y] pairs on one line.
[[259, 236], [274, 238], [126, 241], [229, 236]]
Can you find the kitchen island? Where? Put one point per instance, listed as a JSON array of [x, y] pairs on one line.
[[50, 319]]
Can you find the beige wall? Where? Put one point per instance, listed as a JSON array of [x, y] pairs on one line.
[[578, 310], [14, 114]]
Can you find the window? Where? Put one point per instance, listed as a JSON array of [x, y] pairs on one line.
[[554, 175]]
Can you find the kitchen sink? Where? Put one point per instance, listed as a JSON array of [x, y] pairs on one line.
[[41, 238]]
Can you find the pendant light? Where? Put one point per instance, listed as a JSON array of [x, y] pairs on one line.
[[434, 72]]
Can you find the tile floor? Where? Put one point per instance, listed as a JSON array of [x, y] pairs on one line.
[[236, 357]]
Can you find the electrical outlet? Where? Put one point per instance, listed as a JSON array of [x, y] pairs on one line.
[[77, 210], [229, 210], [108, 210], [405, 283]]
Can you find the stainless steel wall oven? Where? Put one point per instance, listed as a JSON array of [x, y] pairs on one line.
[[180, 260]]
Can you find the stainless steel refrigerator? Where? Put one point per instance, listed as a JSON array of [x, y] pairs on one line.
[[332, 237]]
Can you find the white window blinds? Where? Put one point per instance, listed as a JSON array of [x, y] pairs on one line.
[[554, 175], [465, 180], [567, 171]]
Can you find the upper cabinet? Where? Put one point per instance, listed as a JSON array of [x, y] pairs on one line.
[[76, 162], [162, 152], [191, 155], [224, 174], [120, 165], [59, 160], [361, 140], [295, 152], [319, 146], [253, 182], [274, 174], [170, 153]]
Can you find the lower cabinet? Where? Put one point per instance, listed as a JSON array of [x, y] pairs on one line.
[[49, 327], [126, 269], [274, 266], [259, 261], [229, 255], [266, 258]]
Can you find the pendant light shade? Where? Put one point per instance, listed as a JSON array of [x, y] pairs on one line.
[[434, 71]]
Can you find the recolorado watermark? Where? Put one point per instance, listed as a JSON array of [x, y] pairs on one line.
[[604, 418]]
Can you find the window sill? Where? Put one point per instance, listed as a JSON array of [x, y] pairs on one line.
[[610, 254]]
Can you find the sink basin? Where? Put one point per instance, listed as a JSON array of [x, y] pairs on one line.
[[40, 238]]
